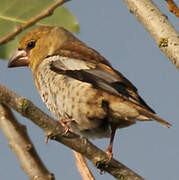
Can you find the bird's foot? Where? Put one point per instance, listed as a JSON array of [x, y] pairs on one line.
[[109, 152], [65, 122]]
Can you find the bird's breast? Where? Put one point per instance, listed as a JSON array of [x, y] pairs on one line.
[[66, 97]]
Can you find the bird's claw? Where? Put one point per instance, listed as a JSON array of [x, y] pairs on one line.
[[109, 154], [64, 123], [109, 151]]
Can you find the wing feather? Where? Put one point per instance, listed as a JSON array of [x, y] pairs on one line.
[[100, 76]]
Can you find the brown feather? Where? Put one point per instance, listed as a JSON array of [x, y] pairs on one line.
[[75, 81]]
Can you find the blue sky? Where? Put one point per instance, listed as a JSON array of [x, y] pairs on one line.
[[147, 148]]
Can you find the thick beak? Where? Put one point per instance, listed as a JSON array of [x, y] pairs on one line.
[[19, 58]]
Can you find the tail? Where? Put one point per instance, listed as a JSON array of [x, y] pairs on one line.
[[147, 115]]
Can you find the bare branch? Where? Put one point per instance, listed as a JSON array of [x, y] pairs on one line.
[[33, 20], [21, 145], [158, 26], [83, 166], [54, 131]]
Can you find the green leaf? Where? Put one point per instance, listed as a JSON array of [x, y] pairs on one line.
[[16, 12]]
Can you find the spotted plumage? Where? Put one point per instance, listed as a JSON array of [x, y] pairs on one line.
[[75, 81]]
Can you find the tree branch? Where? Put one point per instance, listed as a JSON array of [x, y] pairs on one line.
[[83, 166], [158, 26], [33, 20], [21, 145], [55, 131]]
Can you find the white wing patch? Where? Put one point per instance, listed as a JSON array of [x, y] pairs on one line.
[[66, 63]]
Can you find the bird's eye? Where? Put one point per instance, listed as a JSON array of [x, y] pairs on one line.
[[31, 44]]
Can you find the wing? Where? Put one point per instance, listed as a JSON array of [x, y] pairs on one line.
[[101, 76]]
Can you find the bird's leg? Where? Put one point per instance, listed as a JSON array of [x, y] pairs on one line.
[[64, 122], [109, 150]]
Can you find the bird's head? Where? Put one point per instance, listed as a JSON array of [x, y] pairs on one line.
[[38, 44]]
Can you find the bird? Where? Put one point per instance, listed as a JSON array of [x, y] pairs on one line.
[[79, 86]]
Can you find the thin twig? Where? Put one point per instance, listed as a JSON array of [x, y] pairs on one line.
[[33, 20], [172, 7], [56, 132], [22, 146], [83, 166]]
